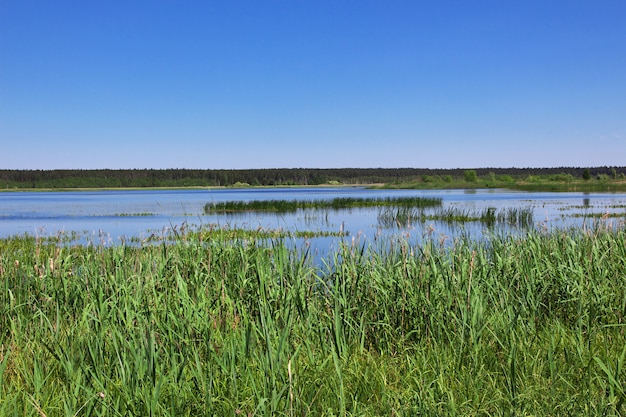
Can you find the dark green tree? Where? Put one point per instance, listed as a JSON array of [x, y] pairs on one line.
[[470, 175]]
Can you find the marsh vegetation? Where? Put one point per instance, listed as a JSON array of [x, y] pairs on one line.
[[489, 216], [337, 203], [398, 212], [218, 325]]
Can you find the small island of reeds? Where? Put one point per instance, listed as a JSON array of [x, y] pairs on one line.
[[393, 211], [339, 203]]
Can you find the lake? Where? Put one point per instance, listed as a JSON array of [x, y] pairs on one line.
[[112, 216]]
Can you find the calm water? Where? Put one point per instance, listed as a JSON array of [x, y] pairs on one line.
[[105, 217]]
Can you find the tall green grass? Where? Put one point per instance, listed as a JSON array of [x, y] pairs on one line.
[[531, 325]]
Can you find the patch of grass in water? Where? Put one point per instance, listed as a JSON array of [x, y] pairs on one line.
[[600, 215], [230, 234], [490, 216], [339, 203]]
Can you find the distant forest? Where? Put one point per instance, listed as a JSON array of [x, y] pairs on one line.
[[108, 178]]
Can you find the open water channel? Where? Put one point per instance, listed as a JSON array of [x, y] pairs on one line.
[[115, 216]]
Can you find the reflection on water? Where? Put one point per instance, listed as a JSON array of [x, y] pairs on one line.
[[114, 217]]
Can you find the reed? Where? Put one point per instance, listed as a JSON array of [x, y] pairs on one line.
[[222, 233], [527, 325], [405, 216], [339, 203]]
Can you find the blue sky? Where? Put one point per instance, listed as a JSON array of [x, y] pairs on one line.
[[318, 83]]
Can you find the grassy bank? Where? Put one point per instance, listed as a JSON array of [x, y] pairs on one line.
[[554, 183], [529, 326]]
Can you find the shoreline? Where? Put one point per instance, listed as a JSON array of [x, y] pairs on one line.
[[212, 187]]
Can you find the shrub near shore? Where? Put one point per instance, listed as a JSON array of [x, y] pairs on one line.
[[514, 326]]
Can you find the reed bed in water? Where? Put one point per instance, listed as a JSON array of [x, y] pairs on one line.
[[232, 234], [514, 326], [489, 216], [339, 203]]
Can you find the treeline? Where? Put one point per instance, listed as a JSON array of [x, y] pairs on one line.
[[108, 178]]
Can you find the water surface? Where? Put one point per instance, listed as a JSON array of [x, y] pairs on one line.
[[113, 216]]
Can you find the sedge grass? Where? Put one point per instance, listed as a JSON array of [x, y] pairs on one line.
[[490, 216], [227, 232], [339, 203], [531, 325]]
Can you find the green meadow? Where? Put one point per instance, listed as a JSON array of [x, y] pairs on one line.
[[561, 182], [225, 324]]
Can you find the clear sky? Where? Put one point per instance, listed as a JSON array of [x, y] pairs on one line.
[[312, 83]]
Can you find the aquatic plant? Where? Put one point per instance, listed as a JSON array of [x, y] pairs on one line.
[[527, 325], [490, 216], [339, 203]]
